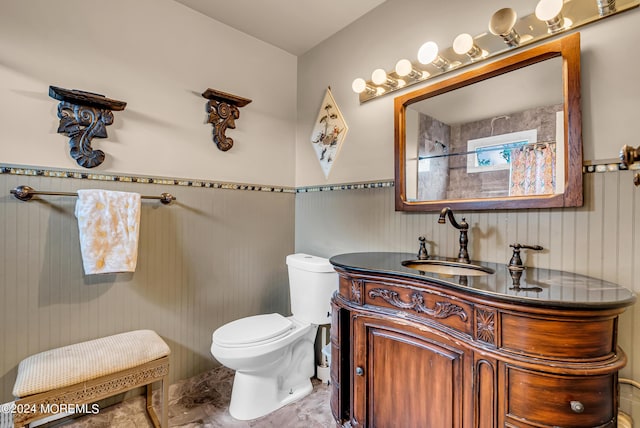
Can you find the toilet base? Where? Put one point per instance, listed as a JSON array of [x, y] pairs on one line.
[[255, 396], [257, 393]]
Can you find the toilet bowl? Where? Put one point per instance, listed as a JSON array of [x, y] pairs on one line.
[[274, 355]]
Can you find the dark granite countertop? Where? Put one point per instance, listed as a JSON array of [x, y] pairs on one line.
[[538, 287]]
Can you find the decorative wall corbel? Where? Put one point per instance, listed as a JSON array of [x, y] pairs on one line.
[[83, 116], [223, 112]]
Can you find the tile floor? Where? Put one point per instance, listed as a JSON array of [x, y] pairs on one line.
[[203, 401]]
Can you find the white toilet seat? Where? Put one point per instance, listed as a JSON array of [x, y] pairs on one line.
[[252, 331], [232, 355]]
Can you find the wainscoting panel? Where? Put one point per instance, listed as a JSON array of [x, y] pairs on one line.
[[212, 256], [600, 239]]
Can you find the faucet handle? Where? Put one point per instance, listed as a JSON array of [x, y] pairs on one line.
[[531, 247], [515, 258], [422, 252]]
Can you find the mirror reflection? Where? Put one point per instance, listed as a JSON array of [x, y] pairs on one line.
[[506, 135], [500, 137]]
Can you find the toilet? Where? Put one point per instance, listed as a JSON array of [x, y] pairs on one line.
[[273, 355]]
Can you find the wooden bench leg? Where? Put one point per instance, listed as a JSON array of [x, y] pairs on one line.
[[164, 404], [165, 401]]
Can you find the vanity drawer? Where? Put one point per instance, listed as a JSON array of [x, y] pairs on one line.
[[428, 305], [557, 338], [559, 401]]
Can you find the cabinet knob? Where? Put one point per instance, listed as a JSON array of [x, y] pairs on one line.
[[359, 371], [577, 407]]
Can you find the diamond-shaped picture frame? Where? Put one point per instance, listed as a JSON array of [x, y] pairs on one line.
[[329, 132]]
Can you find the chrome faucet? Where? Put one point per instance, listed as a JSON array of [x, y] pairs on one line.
[[463, 227]]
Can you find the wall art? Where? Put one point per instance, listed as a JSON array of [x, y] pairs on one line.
[[329, 132]]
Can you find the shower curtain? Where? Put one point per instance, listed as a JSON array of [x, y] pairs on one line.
[[533, 170]]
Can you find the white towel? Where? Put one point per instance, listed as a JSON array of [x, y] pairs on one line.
[[109, 225]]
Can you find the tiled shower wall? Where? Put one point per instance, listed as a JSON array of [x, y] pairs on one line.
[[212, 256], [600, 239]]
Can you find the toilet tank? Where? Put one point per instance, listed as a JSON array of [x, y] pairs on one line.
[[312, 282]]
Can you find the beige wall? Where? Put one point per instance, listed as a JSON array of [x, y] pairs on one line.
[[158, 56], [192, 275], [397, 28], [599, 239]]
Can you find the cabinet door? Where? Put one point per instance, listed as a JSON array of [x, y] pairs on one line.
[[405, 377]]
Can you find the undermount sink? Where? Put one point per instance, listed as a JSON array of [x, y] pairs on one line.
[[444, 267]]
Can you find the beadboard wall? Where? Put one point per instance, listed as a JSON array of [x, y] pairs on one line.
[[600, 239], [212, 256], [193, 274]]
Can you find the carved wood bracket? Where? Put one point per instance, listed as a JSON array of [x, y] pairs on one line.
[[223, 112], [84, 116]]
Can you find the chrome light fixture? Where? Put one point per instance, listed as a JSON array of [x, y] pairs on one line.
[[550, 11], [428, 54], [558, 16], [502, 23], [606, 7]]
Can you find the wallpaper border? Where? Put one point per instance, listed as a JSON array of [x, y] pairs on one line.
[[54, 173], [59, 173]]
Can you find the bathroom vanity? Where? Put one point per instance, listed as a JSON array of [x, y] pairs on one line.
[[436, 347]]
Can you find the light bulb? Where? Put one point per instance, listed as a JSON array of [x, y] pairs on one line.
[[502, 23], [462, 44], [359, 85], [403, 67], [550, 11], [428, 52], [379, 76], [546, 10]]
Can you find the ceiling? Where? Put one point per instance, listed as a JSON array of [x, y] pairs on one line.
[[292, 25]]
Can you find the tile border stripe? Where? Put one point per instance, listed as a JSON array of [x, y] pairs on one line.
[[352, 186], [610, 167], [54, 173], [41, 172]]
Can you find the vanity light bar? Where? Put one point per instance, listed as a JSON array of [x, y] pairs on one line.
[[506, 32]]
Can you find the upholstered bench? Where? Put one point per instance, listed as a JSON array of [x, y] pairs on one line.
[[72, 376]]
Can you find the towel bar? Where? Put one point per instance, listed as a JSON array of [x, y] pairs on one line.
[[25, 193]]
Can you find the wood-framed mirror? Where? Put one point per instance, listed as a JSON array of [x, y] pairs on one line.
[[506, 135]]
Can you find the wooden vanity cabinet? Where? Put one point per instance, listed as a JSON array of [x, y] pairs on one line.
[[414, 353], [403, 374]]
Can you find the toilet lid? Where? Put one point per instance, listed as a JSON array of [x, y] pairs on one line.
[[253, 329]]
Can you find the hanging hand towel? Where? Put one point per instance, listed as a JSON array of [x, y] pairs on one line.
[[109, 225]]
